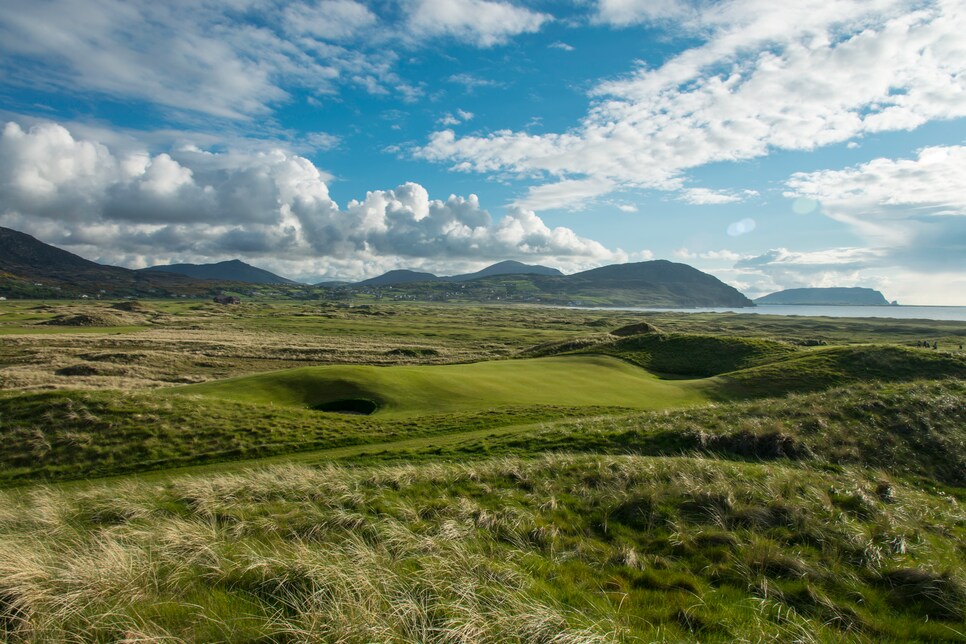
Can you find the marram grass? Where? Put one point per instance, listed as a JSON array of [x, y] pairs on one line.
[[555, 549]]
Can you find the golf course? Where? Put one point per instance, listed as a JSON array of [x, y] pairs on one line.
[[283, 471]]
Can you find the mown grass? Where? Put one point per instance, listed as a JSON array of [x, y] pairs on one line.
[[404, 390], [564, 548]]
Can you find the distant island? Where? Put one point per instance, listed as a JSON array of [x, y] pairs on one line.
[[834, 296]]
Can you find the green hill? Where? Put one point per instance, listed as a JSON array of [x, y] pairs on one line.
[[570, 380], [229, 271], [31, 268], [657, 283]]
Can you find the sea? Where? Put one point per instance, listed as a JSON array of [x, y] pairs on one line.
[[954, 313]]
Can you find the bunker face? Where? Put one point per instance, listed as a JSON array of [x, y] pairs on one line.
[[357, 406]]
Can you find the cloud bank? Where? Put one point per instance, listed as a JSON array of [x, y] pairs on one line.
[[236, 60], [770, 76], [189, 204]]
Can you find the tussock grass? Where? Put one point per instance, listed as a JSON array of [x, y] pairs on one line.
[[913, 430], [74, 434], [563, 548]]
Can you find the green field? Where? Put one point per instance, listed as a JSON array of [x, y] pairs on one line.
[[573, 381], [299, 471]]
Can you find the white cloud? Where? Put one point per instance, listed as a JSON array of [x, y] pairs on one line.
[[321, 141], [769, 76], [235, 60], [724, 254], [705, 196], [627, 207], [483, 22], [329, 19], [274, 207], [569, 195], [472, 82], [450, 119], [877, 268], [622, 13], [914, 210], [562, 46]]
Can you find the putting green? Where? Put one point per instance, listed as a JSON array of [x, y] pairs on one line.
[[585, 380]]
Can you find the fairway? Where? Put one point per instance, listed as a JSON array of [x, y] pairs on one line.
[[587, 380]]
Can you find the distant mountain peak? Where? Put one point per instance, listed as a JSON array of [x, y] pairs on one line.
[[30, 264], [232, 270], [398, 276], [506, 267]]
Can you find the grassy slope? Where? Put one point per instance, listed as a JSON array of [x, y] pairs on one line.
[[67, 435], [915, 430], [739, 367], [852, 529], [826, 367], [76, 434], [562, 548], [572, 381]]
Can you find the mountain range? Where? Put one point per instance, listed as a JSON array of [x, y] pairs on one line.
[[31, 268], [508, 267], [657, 283]]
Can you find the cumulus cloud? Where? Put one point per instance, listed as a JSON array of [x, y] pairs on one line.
[[768, 76], [484, 22], [911, 212], [189, 204], [897, 202]]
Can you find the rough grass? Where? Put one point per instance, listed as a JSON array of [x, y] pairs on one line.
[[68, 435], [913, 430], [695, 356], [556, 549], [825, 367], [191, 341]]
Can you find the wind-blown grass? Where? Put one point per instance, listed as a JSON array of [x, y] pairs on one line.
[[557, 549], [913, 430]]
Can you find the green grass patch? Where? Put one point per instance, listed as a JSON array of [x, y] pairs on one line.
[[574, 381]]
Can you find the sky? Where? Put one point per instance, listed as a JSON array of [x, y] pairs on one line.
[[773, 144]]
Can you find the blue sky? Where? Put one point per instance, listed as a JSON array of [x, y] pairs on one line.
[[773, 144]]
